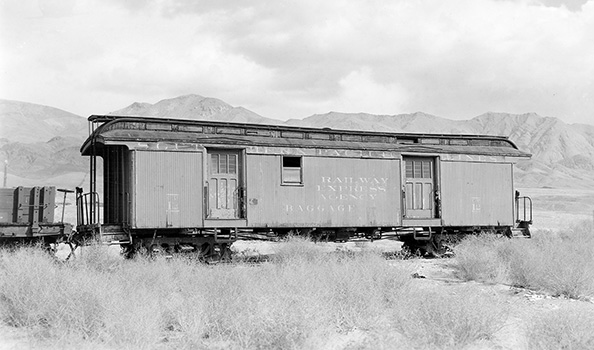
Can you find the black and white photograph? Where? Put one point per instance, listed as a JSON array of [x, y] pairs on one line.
[[333, 175]]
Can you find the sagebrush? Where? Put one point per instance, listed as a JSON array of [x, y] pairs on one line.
[[560, 264]]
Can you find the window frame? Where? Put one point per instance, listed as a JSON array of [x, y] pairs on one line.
[[284, 178]]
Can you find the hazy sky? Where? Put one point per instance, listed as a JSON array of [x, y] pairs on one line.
[[290, 59]]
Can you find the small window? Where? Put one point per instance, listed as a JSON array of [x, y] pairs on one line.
[[318, 136], [480, 142], [371, 138], [221, 163], [418, 168], [258, 132], [292, 135], [229, 131], [354, 138], [291, 172], [458, 142], [430, 141]]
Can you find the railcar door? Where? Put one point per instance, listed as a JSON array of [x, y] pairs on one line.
[[419, 188], [224, 184]]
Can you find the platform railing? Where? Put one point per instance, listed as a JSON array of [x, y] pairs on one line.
[[524, 209], [87, 209]]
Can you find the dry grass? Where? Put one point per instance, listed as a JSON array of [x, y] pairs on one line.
[[101, 300], [559, 264], [566, 328], [450, 318], [478, 258], [303, 298]]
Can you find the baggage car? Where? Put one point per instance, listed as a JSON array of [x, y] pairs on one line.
[[174, 185]]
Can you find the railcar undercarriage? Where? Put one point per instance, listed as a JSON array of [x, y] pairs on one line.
[[214, 244]]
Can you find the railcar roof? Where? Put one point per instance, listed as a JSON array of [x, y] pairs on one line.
[[111, 128]]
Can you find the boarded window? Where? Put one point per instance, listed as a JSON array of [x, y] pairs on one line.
[[480, 142], [317, 136], [458, 142], [257, 132], [292, 170], [229, 131], [355, 138], [292, 135], [190, 128], [430, 141], [401, 140], [379, 139]]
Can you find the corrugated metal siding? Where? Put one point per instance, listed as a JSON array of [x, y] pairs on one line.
[[335, 193], [476, 194], [168, 190]]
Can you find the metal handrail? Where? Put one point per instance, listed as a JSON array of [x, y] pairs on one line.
[[87, 208], [525, 203]]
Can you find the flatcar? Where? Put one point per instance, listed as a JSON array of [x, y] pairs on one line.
[[27, 216], [173, 185]]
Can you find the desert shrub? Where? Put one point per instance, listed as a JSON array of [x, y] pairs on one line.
[[97, 257], [100, 299], [263, 307], [479, 258], [559, 264], [76, 301], [450, 319], [297, 249], [565, 328], [296, 302], [37, 292]]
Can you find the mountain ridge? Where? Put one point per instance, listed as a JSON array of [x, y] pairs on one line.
[[22, 121], [194, 107], [563, 154]]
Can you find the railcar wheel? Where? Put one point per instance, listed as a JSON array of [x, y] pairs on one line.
[[219, 253], [128, 251], [409, 251], [435, 247]]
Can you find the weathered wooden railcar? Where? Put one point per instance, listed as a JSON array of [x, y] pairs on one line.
[[27, 216], [188, 185]]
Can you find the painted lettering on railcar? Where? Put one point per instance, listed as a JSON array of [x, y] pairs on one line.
[[343, 194], [351, 188], [322, 152], [472, 158], [319, 208]]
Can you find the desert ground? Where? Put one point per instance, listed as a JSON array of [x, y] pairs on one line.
[[436, 275], [559, 208]]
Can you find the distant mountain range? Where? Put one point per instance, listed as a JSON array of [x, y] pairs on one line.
[[42, 143], [195, 107], [562, 154], [28, 123]]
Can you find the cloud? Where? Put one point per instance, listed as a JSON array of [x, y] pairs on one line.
[[359, 92], [573, 5], [456, 58], [287, 59]]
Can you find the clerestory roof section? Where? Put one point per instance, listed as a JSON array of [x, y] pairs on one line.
[[109, 129]]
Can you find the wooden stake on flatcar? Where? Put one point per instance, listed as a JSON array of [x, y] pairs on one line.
[[65, 191]]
